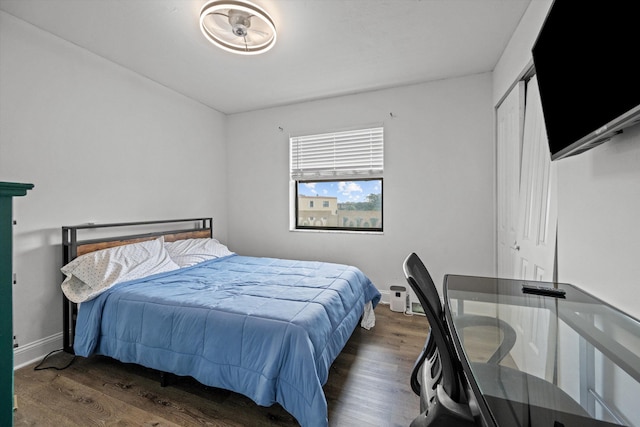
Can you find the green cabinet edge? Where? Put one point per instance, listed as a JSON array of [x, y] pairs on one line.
[[8, 190]]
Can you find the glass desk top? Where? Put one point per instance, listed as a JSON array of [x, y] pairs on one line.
[[575, 343]]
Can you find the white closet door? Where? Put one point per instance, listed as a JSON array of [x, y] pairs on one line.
[[510, 127], [535, 243], [535, 246]]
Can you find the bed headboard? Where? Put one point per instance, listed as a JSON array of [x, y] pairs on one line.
[[118, 234], [131, 232]]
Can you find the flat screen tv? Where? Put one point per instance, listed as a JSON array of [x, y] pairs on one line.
[[585, 59]]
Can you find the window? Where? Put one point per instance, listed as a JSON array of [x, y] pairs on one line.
[[342, 172]]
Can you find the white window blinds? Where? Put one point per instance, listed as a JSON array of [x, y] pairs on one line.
[[357, 153]]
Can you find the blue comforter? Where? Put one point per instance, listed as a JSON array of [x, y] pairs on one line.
[[267, 328]]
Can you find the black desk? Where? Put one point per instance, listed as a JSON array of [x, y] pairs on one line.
[[579, 343]]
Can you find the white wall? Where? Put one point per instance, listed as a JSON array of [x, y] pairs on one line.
[[100, 143], [517, 55], [438, 180], [599, 225], [598, 195]]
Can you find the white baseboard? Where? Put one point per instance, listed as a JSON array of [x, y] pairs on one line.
[[386, 297], [26, 354]]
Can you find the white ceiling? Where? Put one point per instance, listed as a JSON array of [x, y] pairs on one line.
[[325, 48]]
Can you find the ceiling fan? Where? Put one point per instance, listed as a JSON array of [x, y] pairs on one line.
[[238, 26]]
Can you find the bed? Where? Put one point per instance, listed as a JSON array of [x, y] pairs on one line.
[[179, 301]]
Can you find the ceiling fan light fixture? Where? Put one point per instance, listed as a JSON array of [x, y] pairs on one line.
[[237, 26]]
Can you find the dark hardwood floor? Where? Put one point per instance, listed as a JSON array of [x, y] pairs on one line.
[[368, 386]]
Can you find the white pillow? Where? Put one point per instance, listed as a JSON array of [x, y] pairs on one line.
[[188, 252], [91, 274]]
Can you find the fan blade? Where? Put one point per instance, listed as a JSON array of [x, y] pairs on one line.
[[258, 32], [217, 21], [255, 38], [218, 24]]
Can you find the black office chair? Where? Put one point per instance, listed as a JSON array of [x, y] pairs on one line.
[[443, 402], [442, 398], [422, 284]]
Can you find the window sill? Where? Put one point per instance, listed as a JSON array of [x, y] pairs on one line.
[[301, 230]]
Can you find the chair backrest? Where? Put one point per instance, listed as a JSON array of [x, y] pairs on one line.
[[420, 281]]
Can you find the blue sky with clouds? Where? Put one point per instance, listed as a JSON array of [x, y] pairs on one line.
[[345, 191]]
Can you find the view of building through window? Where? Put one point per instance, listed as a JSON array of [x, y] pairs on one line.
[[355, 205]]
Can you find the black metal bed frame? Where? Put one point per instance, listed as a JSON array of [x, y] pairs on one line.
[[200, 227]]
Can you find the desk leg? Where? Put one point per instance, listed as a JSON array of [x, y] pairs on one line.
[[587, 376], [460, 307], [460, 312]]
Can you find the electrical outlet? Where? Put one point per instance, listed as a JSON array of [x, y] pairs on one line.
[[15, 342], [15, 278]]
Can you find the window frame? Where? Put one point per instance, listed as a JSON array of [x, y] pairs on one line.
[[298, 227]]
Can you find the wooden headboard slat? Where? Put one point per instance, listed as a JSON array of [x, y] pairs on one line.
[[85, 248]]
